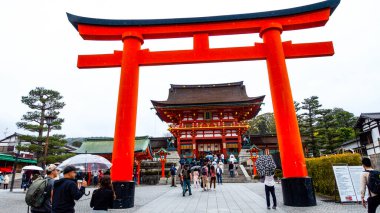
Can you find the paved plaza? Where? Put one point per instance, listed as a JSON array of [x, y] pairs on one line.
[[233, 197]]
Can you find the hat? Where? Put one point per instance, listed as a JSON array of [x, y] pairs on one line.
[[51, 168], [68, 169]]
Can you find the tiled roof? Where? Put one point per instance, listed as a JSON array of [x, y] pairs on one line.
[[373, 116], [208, 94], [106, 147]]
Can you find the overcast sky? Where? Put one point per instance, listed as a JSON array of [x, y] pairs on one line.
[[39, 48]]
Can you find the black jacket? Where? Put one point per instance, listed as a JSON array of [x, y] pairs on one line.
[[102, 199], [65, 191]]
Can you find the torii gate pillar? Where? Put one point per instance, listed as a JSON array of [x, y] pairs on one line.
[[296, 180], [125, 127]]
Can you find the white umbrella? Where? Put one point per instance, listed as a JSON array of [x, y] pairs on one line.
[[32, 168], [94, 162]]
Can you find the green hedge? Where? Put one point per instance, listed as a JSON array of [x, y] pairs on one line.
[[320, 169]]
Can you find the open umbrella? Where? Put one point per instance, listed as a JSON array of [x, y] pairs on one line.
[[37, 168], [209, 157], [195, 168], [265, 165], [88, 161]]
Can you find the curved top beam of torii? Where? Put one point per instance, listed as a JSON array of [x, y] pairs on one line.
[[313, 15]]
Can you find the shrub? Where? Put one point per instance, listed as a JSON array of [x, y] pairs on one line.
[[320, 169]]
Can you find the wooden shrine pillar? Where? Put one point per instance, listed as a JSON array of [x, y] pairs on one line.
[[179, 145], [224, 144], [193, 142], [239, 141]]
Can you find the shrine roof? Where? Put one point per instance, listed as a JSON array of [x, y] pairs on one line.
[[106, 147], [332, 4], [203, 94]]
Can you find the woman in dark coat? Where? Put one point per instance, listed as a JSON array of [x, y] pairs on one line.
[[103, 198]]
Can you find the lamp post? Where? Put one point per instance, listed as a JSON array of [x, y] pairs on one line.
[[162, 153], [49, 120], [254, 152]]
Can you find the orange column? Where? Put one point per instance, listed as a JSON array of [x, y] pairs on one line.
[[254, 166], [163, 168], [288, 134], [124, 142], [179, 145], [194, 146], [224, 149]]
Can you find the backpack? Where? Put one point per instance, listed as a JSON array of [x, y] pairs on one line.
[[204, 171], [186, 174], [36, 194], [374, 181]]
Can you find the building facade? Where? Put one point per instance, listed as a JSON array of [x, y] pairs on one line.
[[9, 144], [208, 118], [368, 126]]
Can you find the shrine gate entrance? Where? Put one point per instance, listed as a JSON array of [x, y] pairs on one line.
[[297, 186]]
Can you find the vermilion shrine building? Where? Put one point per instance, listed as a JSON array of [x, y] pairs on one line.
[[208, 118]]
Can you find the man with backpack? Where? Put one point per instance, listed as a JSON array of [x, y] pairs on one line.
[[66, 190], [186, 175], [370, 179], [204, 173], [173, 171], [41, 202]]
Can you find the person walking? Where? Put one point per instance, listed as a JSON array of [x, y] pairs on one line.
[[236, 170], [231, 169], [213, 176], [6, 181], [269, 188], [66, 190], [219, 173], [100, 175], [95, 174], [180, 175], [204, 177], [1, 178], [52, 173], [222, 157], [186, 178], [196, 178], [173, 172], [103, 197], [25, 181], [373, 200]]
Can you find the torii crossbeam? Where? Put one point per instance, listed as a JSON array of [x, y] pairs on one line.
[[297, 186]]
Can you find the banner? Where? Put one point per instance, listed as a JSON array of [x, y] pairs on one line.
[[348, 182], [344, 183], [356, 172]]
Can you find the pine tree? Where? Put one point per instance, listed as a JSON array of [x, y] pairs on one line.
[[325, 130], [263, 124], [42, 102], [311, 106]]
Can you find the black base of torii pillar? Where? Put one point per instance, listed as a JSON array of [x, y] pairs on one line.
[[298, 192]]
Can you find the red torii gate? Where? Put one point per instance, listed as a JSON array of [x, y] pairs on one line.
[[297, 186]]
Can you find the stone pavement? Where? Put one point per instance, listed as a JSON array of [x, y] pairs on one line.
[[233, 197]]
